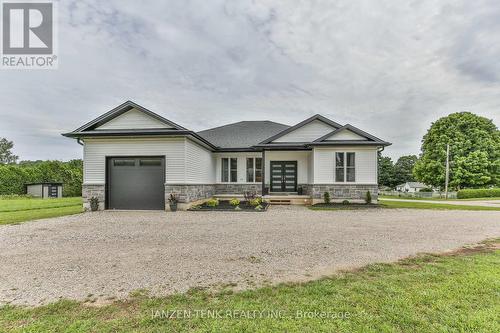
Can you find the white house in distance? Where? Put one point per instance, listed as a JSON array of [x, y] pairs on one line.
[[410, 187], [134, 158]]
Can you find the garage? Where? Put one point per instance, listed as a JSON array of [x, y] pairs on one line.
[[135, 183]]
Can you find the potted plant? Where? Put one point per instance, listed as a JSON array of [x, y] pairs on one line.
[[94, 204], [172, 201]]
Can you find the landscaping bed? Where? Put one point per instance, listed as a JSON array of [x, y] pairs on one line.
[[225, 206], [335, 206]]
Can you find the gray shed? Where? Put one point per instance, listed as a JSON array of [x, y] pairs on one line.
[[45, 190]]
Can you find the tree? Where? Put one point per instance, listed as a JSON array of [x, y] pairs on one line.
[[403, 169], [474, 152], [386, 171], [6, 155]]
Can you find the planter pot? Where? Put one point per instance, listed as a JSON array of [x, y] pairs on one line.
[[173, 207], [94, 206]]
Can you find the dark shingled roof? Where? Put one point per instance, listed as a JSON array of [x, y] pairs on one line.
[[243, 134]]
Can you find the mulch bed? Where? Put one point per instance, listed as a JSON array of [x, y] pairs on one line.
[[225, 206], [347, 206]]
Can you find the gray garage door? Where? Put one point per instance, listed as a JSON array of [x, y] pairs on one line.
[[136, 183]]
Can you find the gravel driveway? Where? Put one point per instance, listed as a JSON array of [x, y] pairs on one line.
[[109, 254]]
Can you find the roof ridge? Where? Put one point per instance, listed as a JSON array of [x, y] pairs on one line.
[[238, 122]]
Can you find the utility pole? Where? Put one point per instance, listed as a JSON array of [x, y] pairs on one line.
[[447, 171]]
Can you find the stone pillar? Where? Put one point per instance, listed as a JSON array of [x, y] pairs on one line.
[[89, 191]]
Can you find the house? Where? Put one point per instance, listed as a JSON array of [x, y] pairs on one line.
[[45, 190], [134, 158], [410, 187]]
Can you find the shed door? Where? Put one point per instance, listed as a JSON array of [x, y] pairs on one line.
[[136, 183]]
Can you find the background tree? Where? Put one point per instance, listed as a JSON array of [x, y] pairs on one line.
[[6, 155], [403, 169], [474, 152], [386, 171], [13, 177]]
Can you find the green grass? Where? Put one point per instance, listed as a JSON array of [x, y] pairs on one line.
[[12, 205], [436, 199], [20, 210], [413, 204], [427, 205], [429, 293]]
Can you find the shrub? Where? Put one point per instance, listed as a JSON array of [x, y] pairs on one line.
[[94, 204], [172, 198], [258, 207], [212, 202], [326, 197], [426, 189], [250, 195], [368, 197], [234, 202], [345, 202], [478, 193], [256, 202]]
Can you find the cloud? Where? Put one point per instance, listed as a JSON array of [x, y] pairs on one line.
[[390, 68]]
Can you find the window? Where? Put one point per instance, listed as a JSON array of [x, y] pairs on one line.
[[150, 162], [258, 170], [345, 167], [254, 169], [123, 162], [350, 167], [229, 168], [339, 167]]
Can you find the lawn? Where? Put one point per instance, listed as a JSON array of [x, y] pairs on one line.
[[430, 293], [436, 199], [427, 205], [26, 209], [413, 204]]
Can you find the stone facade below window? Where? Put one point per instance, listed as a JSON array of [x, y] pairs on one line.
[[338, 192]]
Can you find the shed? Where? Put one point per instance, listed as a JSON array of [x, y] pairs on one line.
[[45, 190]]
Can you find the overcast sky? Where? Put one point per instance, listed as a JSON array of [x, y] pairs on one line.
[[387, 67]]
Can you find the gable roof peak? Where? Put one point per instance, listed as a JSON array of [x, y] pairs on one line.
[[301, 124], [121, 109]]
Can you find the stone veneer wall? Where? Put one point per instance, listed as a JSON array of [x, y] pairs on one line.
[[344, 191], [237, 188], [189, 193], [89, 191]]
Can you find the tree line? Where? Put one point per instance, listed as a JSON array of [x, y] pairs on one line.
[[474, 160], [14, 176], [474, 155]]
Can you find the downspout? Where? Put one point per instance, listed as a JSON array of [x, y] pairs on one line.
[[79, 141]]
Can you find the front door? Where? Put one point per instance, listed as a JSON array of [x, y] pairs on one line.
[[283, 176]]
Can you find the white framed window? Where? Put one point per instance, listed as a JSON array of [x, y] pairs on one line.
[[229, 170], [345, 167], [254, 169]]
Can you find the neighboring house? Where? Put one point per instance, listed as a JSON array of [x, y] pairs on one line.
[[410, 187], [134, 158]]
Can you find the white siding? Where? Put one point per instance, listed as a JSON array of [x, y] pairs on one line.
[[366, 164], [307, 133], [302, 158], [241, 168], [133, 119], [200, 164], [96, 150], [346, 135], [34, 190]]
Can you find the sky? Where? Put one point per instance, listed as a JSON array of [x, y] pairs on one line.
[[390, 68]]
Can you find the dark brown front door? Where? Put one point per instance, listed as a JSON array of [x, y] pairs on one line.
[[283, 176]]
